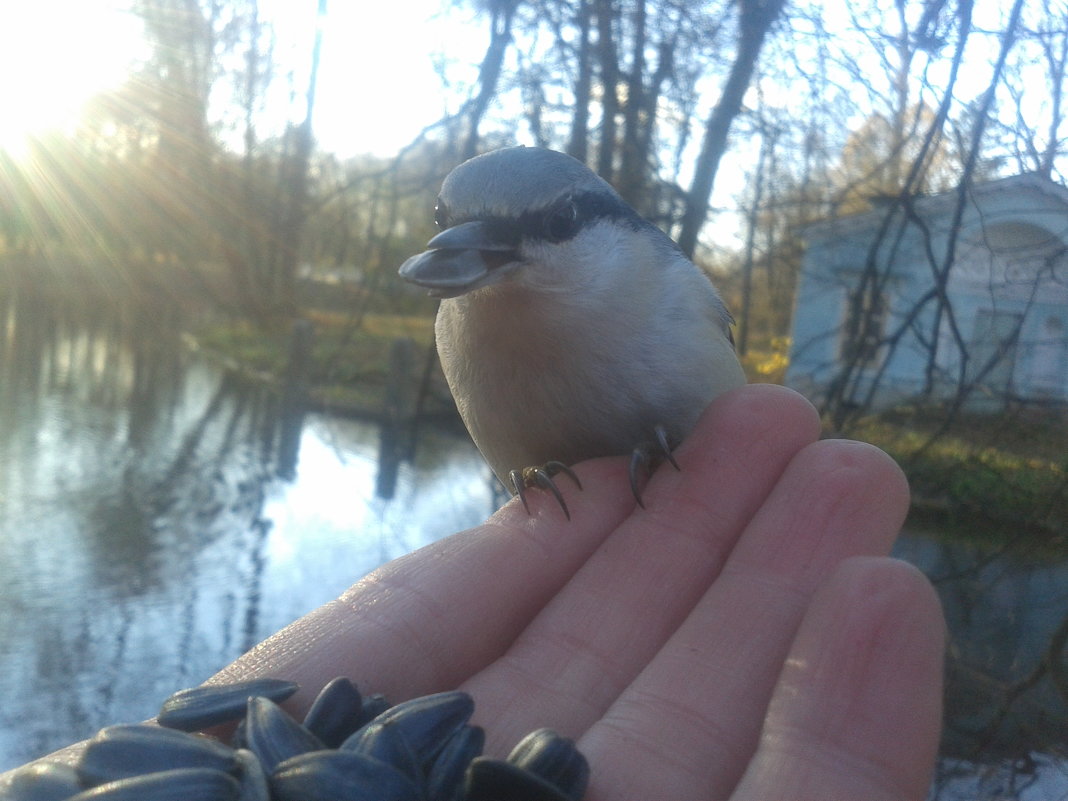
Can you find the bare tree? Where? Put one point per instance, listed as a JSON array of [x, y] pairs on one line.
[[501, 13], [294, 182], [608, 63], [578, 141], [755, 18], [1035, 136]]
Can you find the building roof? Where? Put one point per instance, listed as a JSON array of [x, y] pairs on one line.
[[935, 204]]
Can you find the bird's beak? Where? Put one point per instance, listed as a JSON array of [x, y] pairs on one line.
[[458, 260]]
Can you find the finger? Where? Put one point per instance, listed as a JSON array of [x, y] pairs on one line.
[[425, 622], [699, 704], [605, 625], [857, 709]]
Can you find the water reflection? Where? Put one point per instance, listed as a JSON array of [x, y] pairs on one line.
[[146, 538], [1006, 693]]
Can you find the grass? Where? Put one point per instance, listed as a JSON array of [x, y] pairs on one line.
[[349, 366], [999, 477]]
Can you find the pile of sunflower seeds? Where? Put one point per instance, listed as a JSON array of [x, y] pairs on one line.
[[348, 748]]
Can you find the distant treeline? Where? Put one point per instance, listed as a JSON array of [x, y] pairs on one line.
[[804, 110]]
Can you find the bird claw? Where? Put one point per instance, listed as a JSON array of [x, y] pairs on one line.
[[645, 458], [542, 477]]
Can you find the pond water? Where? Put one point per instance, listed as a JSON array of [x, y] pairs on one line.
[[156, 521], [1007, 667], [147, 536]]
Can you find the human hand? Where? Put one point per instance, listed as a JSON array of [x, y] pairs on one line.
[[743, 636]]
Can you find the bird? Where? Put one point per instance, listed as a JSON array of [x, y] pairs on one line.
[[569, 327]]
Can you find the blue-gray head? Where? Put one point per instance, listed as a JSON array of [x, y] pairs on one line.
[[501, 205]]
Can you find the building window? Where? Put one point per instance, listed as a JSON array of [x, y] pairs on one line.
[[992, 358], [1050, 360]]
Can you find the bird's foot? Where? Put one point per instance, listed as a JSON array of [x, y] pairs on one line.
[[645, 458], [542, 477]]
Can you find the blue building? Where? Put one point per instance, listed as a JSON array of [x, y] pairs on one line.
[[923, 301]]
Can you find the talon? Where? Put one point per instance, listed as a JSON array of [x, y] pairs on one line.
[[665, 449], [647, 456], [639, 459], [545, 482], [518, 485], [554, 467], [542, 477]]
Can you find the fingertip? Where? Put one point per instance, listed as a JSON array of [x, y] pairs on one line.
[[861, 471], [889, 666], [774, 403], [753, 424], [889, 589], [857, 709], [776, 415]]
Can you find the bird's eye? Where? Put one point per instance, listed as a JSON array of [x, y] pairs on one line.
[[562, 221], [441, 216]]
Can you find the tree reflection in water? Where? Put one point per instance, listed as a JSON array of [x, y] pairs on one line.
[[154, 522]]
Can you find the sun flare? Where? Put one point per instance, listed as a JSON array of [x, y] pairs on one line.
[[54, 56]]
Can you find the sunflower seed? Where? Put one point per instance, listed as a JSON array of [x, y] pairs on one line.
[[341, 776], [209, 705], [554, 758], [426, 723], [118, 752], [373, 706], [253, 779], [273, 736], [40, 781], [445, 779], [183, 784], [494, 779], [336, 712], [386, 742], [420, 750]]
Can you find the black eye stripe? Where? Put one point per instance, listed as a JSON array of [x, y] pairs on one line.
[[575, 212], [556, 222]]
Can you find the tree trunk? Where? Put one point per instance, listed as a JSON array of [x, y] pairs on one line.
[[578, 142], [609, 66], [501, 13], [753, 222], [755, 19], [631, 181], [295, 185]]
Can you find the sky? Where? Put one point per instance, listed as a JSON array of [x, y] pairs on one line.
[[377, 83], [54, 56]]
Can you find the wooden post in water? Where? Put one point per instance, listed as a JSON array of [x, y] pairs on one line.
[[295, 382], [396, 413]]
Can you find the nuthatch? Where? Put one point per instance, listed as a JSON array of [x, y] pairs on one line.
[[569, 326]]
